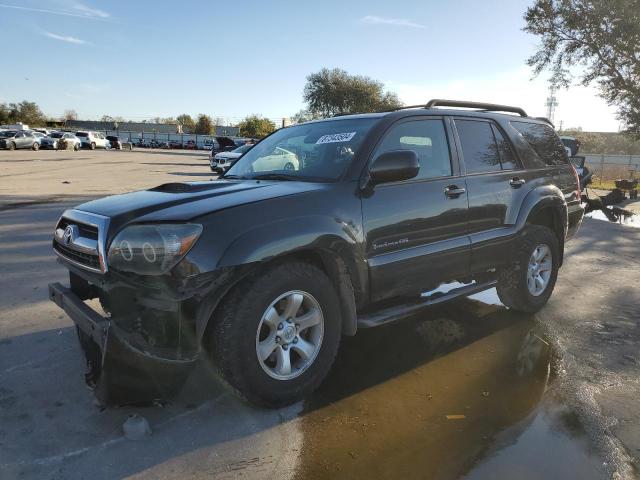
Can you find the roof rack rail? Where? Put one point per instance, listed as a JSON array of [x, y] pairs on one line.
[[487, 107], [545, 119]]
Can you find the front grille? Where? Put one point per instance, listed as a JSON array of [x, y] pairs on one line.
[[87, 259], [86, 231]]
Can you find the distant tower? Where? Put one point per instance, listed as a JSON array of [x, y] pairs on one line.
[[552, 102]]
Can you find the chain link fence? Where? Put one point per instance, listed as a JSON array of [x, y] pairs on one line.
[[608, 168]]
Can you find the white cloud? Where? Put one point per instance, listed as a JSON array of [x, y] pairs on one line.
[[396, 22], [64, 38], [577, 107], [80, 11], [90, 12]]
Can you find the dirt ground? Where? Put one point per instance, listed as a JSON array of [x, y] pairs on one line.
[[468, 390]]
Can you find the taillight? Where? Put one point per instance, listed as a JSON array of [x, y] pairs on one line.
[[577, 177]]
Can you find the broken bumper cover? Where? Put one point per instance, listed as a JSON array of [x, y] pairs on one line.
[[118, 372]]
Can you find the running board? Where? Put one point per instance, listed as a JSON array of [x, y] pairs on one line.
[[398, 312]]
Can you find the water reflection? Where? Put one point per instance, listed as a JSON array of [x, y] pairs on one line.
[[426, 397]]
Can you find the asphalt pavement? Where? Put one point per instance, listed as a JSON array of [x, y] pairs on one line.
[[468, 390]]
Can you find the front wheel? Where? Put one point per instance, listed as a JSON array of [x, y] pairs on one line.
[[35, 146], [527, 282], [93, 146], [274, 338], [11, 146], [76, 147]]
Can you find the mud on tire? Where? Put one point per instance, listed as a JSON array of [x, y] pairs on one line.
[[512, 279], [232, 343]]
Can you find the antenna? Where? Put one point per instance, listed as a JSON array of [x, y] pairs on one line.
[[551, 103]]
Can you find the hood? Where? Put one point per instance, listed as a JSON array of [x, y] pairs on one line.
[[230, 155], [186, 201]]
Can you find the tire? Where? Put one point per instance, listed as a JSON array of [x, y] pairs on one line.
[[239, 324], [289, 166], [11, 146], [76, 147], [92, 146], [514, 284], [35, 147]]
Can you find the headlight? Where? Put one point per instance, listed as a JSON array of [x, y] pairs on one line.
[[152, 249]]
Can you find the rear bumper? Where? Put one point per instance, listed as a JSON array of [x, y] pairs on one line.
[[575, 214], [118, 372]]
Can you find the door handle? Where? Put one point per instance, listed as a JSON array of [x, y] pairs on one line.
[[453, 191], [516, 182]]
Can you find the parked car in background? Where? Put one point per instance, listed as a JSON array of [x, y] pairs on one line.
[[38, 136], [223, 161], [44, 131], [14, 139], [571, 145], [278, 159], [191, 145], [92, 140], [54, 139], [119, 144], [69, 141], [175, 144]]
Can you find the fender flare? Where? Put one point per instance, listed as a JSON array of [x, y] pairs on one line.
[[543, 197], [333, 241]]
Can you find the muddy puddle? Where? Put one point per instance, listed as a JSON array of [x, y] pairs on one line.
[[463, 392]]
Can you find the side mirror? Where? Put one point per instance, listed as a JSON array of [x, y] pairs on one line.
[[394, 166]]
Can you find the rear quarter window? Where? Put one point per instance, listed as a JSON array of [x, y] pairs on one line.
[[544, 141]]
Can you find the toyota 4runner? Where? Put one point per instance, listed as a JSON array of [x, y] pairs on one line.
[[320, 230]]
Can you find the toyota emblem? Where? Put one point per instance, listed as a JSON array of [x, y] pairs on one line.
[[67, 237]]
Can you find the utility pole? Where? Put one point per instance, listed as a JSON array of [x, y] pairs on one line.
[[552, 103]]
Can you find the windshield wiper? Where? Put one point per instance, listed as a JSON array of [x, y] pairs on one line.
[[233, 177], [275, 176]]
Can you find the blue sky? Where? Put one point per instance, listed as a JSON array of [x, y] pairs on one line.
[[143, 59]]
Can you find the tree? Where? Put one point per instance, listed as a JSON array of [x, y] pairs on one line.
[[26, 112], [186, 121], [336, 92], [255, 126], [70, 115], [204, 125], [304, 115], [601, 37]]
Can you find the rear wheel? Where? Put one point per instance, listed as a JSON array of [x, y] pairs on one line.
[[528, 281], [93, 146], [274, 338], [11, 146], [35, 146], [76, 147]]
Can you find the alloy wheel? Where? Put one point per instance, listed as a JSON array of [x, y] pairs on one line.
[[289, 335], [539, 270]]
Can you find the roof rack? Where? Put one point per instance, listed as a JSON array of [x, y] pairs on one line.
[[545, 119], [486, 107]]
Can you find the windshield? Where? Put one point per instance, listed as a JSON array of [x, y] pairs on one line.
[[82, 134], [8, 133], [56, 135], [318, 151]]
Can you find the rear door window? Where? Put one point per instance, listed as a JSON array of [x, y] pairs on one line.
[[544, 141], [479, 148], [507, 157]]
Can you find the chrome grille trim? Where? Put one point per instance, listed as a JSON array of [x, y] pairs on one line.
[[83, 245]]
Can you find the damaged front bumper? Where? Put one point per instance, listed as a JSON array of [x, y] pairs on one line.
[[119, 368]]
